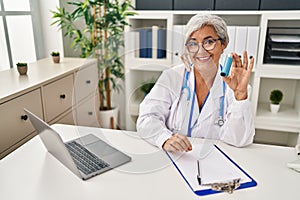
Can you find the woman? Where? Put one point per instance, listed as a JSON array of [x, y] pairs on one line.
[[193, 100]]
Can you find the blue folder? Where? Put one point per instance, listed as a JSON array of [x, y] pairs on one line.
[[203, 192], [149, 43], [145, 43], [161, 43]]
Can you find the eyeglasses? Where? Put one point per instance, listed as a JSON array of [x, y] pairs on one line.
[[208, 45]]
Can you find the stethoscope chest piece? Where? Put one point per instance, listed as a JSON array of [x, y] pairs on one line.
[[219, 121]]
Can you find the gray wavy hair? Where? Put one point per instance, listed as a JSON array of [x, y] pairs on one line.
[[200, 20]]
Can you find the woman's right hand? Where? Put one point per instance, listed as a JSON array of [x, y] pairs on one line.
[[177, 143]]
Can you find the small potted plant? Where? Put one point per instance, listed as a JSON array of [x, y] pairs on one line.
[[146, 87], [55, 56], [275, 98], [22, 68]]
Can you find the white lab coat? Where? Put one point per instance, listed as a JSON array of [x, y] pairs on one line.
[[166, 111]]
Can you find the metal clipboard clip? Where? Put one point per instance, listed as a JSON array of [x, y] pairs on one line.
[[228, 187]]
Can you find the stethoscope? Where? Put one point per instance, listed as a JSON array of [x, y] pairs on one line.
[[220, 119]]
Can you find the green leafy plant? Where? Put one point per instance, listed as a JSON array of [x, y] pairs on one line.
[[146, 87], [276, 96], [54, 53], [101, 37], [20, 64]]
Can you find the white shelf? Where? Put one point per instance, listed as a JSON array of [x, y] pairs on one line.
[[150, 67], [279, 71], [264, 77], [287, 118]]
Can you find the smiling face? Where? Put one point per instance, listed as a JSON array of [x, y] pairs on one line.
[[203, 56]]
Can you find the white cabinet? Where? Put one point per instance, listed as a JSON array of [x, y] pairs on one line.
[[85, 83], [86, 113], [65, 118], [270, 128], [14, 123], [57, 97], [49, 91], [86, 97], [278, 74]]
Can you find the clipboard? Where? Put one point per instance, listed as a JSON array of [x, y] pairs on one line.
[[185, 163]]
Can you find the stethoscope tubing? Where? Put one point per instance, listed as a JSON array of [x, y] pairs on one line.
[[185, 86]]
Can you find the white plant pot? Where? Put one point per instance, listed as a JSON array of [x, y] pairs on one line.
[[109, 118], [274, 108]]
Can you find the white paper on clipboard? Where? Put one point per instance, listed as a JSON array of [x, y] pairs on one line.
[[215, 167]]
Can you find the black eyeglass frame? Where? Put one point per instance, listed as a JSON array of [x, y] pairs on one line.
[[213, 39]]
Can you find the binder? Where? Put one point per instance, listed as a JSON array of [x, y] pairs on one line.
[[145, 36], [240, 39], [231, 34], [230, 46], [149, 44], [252, 41], [161, 43], [186, 164]]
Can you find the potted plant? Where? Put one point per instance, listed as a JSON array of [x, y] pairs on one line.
[[55, 56], [102, 37], [275, 98], [146, 87], [22, 68]]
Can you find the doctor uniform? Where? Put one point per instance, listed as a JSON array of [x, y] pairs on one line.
[[171, 108]]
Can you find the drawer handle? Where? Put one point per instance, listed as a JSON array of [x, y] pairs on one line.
[[88, 81], [90, 113], [62, 96], [24, 117]]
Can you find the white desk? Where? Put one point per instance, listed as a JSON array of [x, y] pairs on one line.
[[31, 173]]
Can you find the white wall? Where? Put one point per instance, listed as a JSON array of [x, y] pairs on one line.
[[52, 36]]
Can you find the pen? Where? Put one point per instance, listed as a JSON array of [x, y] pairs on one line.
[[198, 176]]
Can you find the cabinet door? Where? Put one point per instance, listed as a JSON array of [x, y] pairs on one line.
[[280, 5], [193, 5], [58, 97], [14, 124], [87, 113], [236, 5], [154, 5], [86, 82], [66, 118]]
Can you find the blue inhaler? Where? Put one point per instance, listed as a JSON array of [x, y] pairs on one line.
[[227, 65]]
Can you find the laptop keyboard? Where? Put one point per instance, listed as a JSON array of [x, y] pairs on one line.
[[84, 159]]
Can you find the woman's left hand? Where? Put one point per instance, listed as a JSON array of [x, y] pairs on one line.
[[239, 76]]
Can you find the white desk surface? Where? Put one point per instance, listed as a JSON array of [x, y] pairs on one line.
[[31, 173]]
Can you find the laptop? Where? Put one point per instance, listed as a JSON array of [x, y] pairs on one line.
[[86, 156]]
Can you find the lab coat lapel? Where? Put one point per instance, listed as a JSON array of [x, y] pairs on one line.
[[182, 117], [195, 111], [212, 104]]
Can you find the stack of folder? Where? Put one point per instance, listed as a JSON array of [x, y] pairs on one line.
[[152, 42], [282, 46]]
